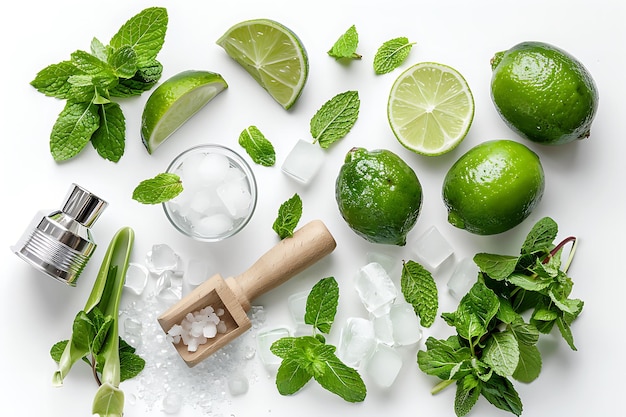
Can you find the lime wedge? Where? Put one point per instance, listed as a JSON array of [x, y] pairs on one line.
[[272, 54], [172, 103], [430, 108]]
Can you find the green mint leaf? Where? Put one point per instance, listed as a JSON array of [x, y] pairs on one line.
[[124, 62], [467, 393], [529, 365], [98, 49], [90, 64], [340, 379], [442, 358], [101, 335], [335, 118], [257, 146], [289, 214], [566, 331], [144, 79], [475, 311], [57, 350], [391, 55], [109, 139], [73, 130], [159, 189], [346, 45], [131, 365], [420, 290], [501, 353], [291, 376], [283, 346], [321, 304], [500, 392], [540, 236], [53, 81], [498, 267], [525, 333], [144, 32]]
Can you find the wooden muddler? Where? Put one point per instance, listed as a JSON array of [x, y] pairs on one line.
[[234, 295]]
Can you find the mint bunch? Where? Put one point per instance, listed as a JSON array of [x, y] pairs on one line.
[[89, 82], [499, 322], [310, 357]]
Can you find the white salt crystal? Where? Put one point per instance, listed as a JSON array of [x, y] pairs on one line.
[[209, 330]]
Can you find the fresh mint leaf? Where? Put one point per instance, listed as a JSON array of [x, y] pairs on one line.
[[289, 214], [566, 331], [123, 61], [391, 55], [53, 80], [444, 358], [321, 305], [475, 311], [144, 32], [90, 64], [529, 365], [56, 351], [497, 267], [346, 45], [467, 393], [283, 346], [525, 333], [340, 379], [131, 365], [159, 189], [420, 290], [540, 236], [108, 139], [291, 376], [500, 392], [101, 335], [501, 353], [144, 79], [335, 118], [73, 130], [257, 146], [98, 49]]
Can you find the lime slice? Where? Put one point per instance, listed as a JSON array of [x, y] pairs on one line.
[[272, 54], [430, 108], [172, 103]]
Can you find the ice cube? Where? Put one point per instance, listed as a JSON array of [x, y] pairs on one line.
[[198, 271], [172, 403], [297, 306], [237, 384], [383, 366], [357, 340], [431, 248], [383, 329], [236, 198], [264, 339], [405, 325], [214, 225], [376, 290], [162, 258], [168, 286], [390, 263], [303, 161], [136, 278], [132, 331], [463, 277]]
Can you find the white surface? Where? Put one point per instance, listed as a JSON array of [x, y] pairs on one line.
[[584, 187]]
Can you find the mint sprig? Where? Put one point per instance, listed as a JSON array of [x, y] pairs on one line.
[[310, 357], [391, 55], [345, 47], [258, 147], [499, 321], [163, 187], [90, 80], [289, 214], [335, 118]]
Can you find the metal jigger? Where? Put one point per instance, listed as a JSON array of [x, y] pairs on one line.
[[59, 243]]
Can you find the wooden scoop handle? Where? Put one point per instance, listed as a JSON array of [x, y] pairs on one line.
[[290, 256]]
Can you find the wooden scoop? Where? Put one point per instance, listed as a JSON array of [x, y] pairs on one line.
[[234, 295]]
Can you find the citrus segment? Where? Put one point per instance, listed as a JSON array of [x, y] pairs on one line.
[[172, 103], [272, 54], [430, 108]]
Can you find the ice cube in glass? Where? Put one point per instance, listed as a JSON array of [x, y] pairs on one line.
[[303, 161]]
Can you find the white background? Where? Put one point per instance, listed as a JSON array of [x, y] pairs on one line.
[[584, 190]]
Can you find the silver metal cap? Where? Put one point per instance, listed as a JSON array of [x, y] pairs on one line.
[[59, 243]]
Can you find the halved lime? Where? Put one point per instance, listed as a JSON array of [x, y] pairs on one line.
[[172, 103], [272, 54], [430, 108]]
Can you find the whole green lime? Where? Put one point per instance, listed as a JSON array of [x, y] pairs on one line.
[[378, 195], [543, 93], [493, 187]]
